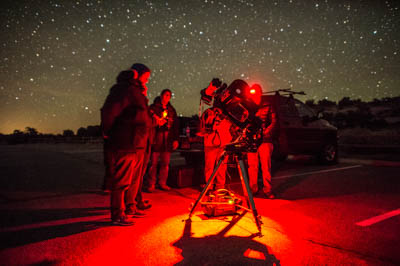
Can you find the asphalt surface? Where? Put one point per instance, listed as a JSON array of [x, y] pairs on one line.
[[53, 213]]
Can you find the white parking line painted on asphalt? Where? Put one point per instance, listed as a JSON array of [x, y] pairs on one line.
[[317, 172], [379, 218]]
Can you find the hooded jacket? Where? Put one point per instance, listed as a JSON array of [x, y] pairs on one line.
[[166, 134], [125, 118]]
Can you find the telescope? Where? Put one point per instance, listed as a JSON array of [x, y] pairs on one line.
[[239, 103]]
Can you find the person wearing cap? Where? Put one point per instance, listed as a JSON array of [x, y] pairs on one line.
[[165, 140], [263, 155], [126, 125]]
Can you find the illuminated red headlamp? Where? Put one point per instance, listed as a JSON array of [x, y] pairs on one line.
[[254, 93]]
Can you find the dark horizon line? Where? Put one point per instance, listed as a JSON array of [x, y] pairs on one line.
[[316, 102]]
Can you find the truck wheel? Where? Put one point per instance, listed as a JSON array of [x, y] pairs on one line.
[[329, 154]]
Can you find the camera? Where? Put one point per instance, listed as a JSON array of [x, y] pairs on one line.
[[207, 96]]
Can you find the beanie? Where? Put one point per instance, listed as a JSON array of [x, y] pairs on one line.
[[140, 68]]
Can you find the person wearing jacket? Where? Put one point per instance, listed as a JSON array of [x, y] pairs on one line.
[[263, 155], [126, 125], [165, 140], [214, 144], [216, 132]]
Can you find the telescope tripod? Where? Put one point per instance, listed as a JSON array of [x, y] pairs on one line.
[[238, 156]]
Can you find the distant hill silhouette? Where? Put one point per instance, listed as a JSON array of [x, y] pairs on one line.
[[347, 113]]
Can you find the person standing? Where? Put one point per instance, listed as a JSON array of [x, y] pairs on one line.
[[126, 123], [263, 155], [107, 161], [164, 142], [108, 156], [214, 144], [217, 133]]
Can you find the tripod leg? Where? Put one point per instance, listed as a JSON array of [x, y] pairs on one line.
[[209, 182], [249, 197]]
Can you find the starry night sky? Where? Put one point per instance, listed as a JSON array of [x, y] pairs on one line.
[[60, 58]]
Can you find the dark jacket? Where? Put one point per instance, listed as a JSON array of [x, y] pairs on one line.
[[166, 134], [269, 123], [125, 116]]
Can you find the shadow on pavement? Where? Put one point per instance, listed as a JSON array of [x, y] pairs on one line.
[[222, 250], [29, 233], [46, 263]]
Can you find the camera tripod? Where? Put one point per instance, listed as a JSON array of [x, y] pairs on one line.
[[238, 156]]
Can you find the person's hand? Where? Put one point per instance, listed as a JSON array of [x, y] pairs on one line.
[[175, 144], [262, 112], [210, 89], [161, 121]]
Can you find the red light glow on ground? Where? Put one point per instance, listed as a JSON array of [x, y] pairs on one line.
[[174, 240]]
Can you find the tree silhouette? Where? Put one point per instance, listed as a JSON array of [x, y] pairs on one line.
[[376, 102], [326, 103], [82, 132], [68, 133], [94, 131], [17, 132], [90, 131], [30, 131], [310, 103], [345, 102]]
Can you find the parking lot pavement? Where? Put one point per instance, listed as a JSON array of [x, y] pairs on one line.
[[53, 213], [75, 230], [375, 162]]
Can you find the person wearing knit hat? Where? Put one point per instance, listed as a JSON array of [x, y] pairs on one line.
[[140, 68], [126, 126]]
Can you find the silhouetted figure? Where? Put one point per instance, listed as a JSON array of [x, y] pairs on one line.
[[126, 126], [165, 140], [264, 152]]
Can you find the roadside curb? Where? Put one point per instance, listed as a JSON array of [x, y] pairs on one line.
[[370, 162]]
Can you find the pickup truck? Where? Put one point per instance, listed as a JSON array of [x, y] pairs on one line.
[[301, 131]]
